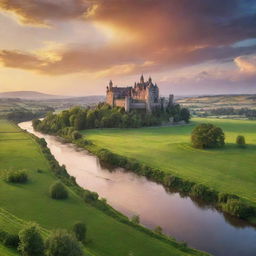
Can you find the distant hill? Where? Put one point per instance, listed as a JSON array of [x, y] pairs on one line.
[[31, 95], [219, 101]]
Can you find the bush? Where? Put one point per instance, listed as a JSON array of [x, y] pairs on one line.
[[224, 197], [58, 191], [61, 243], [204, 193], [238, 208], [79, 230], [9, 240], [207, 136], [76, 135], [90, 196], [158, 230], [240, 141], [17, 177], [135, 219], [31, 242]]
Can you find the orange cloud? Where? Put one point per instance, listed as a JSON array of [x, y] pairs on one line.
[[146, 35], [246, 64], [43, 12]]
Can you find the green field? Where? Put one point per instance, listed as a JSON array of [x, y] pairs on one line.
[[31, 202], [6, 251], [230, 169]]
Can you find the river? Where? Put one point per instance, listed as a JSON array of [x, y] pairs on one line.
[[200, 226]]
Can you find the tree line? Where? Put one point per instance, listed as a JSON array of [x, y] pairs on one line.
[[104, 116], [246, 112], [22, 115]]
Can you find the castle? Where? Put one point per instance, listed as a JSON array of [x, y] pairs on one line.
[[143, 95]]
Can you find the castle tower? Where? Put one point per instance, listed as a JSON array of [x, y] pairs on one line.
[[171, 99], [110, 84], [142, 79]]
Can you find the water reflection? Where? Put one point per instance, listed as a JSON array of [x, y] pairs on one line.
[[200, 225]]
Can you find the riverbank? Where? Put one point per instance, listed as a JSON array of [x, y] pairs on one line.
[[198, 224], [229, 170], [107, 235]]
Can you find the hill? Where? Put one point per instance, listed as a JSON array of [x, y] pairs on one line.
[[32, 95], [218, 101]]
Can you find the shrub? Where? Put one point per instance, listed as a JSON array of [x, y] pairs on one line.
[[62, 243], [42, 142], [238, 208], [204, 193], [159, 230], [17, 176], [207, 136], [240, 141], [31, 242], [135, 219], [80, 230], [224, 197], [9, 240], [58, 191], [90, 196], [76, 135]]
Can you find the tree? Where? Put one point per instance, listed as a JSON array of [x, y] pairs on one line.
[[159, 230], [31, 242], [80, 230], [19, 176], [58, 191], [76, 135], [62, 243], [207, 136], [240, 141], [185, 115], [135, 219]]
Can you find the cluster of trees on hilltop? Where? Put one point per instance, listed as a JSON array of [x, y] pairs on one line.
[[22, 114], [249, 113], [104, 116]]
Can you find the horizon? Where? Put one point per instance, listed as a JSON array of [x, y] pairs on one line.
[[103, 95], [80, 46]]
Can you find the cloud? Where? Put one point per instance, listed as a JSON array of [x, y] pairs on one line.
[[146, 35], [246, 64], [43, 12]]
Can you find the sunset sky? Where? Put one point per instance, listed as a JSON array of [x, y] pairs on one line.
[[74, 47]]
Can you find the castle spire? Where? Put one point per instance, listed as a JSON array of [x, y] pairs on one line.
[[150, 79], [142, 79], [110, 84]]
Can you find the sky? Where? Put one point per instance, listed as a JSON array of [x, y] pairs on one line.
[[74, 47]]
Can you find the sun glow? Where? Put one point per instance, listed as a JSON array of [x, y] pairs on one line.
[[115, 34]]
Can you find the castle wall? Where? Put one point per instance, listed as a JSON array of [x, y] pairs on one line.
[[119, 103], [110, 98], [138, 94], [141, 105]]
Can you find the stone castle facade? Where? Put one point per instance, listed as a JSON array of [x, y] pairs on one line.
[[143, 95]]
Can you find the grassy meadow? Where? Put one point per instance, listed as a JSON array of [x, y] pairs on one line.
[[230, 169], [7, 252], [30, 202]]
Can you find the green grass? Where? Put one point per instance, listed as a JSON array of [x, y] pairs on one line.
[[230, 169], [31, 202], [7, 251]]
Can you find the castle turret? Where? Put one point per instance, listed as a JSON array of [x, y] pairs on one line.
[[142, 79], [110, 84], [150, 80], [171, 99]]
